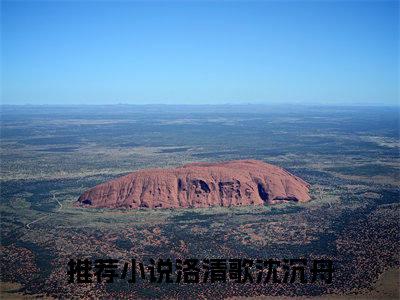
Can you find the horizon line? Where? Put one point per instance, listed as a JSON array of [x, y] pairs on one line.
[[212, 104]]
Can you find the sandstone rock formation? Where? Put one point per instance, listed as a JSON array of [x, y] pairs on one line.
[[231, 183]]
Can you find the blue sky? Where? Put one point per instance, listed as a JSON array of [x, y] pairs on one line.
[[318, 52]]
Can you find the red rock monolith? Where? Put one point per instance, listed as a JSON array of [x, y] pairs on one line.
[[231, 183]]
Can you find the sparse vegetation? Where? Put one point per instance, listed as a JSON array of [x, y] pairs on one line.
[[51, 155]]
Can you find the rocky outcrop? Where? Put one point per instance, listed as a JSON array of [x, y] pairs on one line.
[[231, 183]]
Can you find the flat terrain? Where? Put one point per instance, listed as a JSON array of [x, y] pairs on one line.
[[50, 155]]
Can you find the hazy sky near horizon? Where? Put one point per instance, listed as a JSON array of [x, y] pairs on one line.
[[89, 52]]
